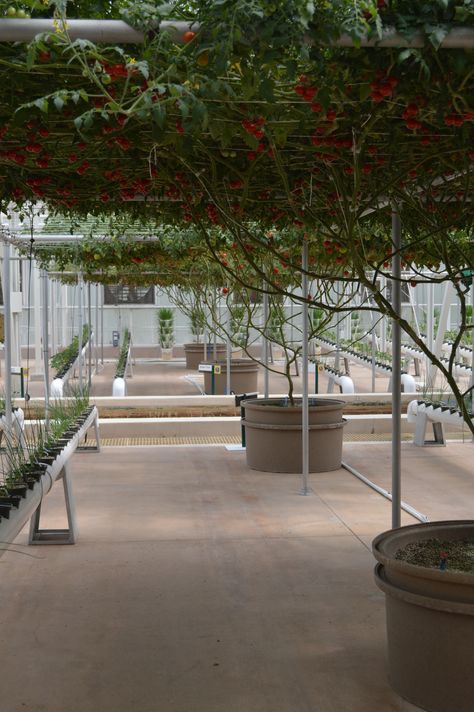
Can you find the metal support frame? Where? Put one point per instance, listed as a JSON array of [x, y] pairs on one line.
[[38, 536], [45, 344], [96, 330], [437, 347], [228, 353], [304, 373], [419, 438], [80, 291], [266, 374], [89, 348], [396, 370], [7, 312]]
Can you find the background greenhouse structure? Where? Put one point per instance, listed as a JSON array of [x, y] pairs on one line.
[[236, 356]]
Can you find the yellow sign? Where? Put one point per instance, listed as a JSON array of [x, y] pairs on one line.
[[320, 367], [217, 369]]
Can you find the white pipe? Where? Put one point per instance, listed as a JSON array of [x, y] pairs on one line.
[[304, 372], [117, 31], [396, 368], [7, 317], [406, 507], [119, 387]]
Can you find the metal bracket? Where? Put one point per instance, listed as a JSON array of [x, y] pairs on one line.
[[91, 448], [39, 536], [420, 432]]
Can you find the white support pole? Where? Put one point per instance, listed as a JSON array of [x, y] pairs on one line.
[[7, 312], [36, 281], [304, 374], [102, 325], [96, 330], [429, 324], [383, 321], [266, 374], [45, 290], [89, 348], [228, 353], [52, 301], [396, 370], [442, 326], [64, 311], [80, 294]]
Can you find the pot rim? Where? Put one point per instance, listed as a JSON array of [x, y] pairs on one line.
[[267, 403], [402, 533]]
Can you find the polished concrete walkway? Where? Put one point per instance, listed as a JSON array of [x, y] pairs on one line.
[[199, 585]]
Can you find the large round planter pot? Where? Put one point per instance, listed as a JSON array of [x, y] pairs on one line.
[[273, 435], [194, 354], [430, 620], [243, 377]]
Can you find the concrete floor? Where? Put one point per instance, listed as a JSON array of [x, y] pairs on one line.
[[199, 585]]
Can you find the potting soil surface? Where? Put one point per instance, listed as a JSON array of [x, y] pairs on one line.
[[438, 554]]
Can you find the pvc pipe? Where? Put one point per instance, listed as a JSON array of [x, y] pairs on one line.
[[396, 370], [406, 507], [304, 372], [10, 528], [7, 316], [117, 31]]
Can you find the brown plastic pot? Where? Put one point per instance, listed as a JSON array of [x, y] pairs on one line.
[[273, 435], [194, 353], [430, 621], [243, 377]]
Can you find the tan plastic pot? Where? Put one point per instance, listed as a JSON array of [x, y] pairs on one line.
[[243, 377], [194, 353], [273, 435], [430, 621]]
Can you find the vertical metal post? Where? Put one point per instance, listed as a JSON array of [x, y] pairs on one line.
[[96, 330], [102, 326], [228, 353], [45, 289], [472, 344], [80, 293], [51, 287], [7, 312], [383, 325], [373, 358], [396, 369], [304, 375], [338, 342], [36, 283], [266, 381], [89, 319]]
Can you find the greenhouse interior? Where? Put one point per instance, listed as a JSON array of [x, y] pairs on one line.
[[236, 355]]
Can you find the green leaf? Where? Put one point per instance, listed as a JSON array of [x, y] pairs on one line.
[[159, 115], [42, 105], [58, 102]]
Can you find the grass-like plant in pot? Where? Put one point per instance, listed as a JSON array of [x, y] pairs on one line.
[[165, 323]]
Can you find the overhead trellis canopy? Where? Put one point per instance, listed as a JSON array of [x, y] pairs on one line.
[[253, 117]]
